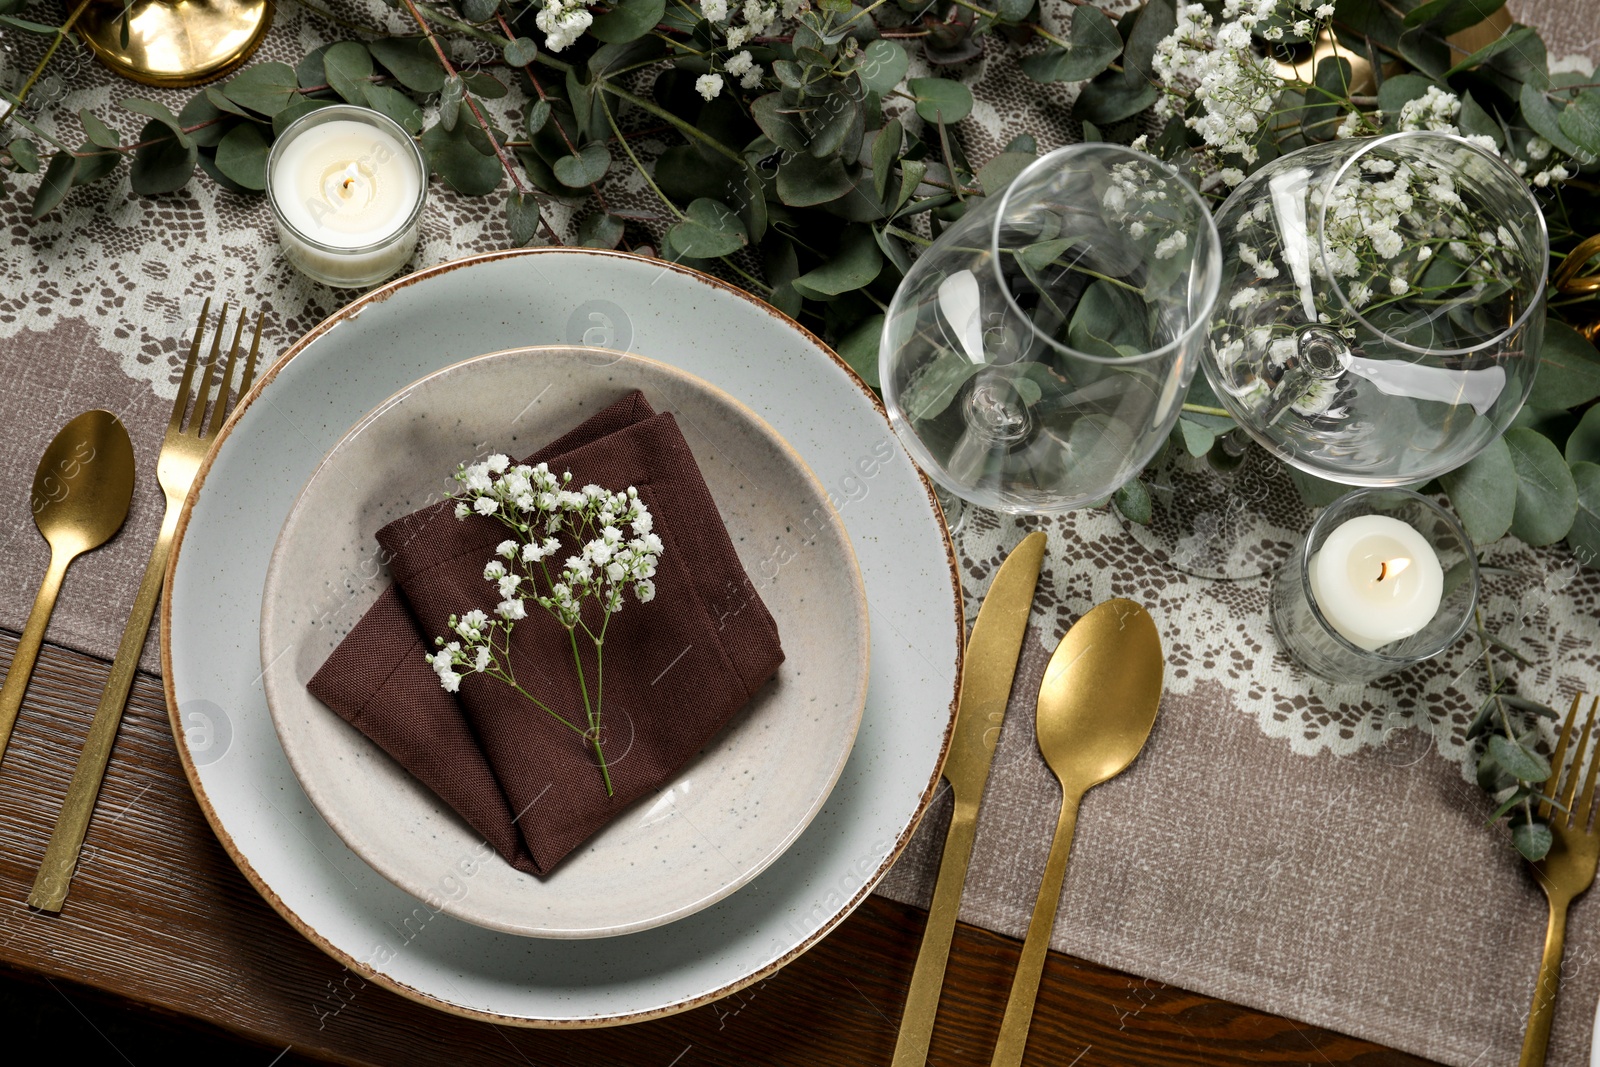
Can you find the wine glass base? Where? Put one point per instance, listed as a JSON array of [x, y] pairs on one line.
[[1240, 521], [175, 45]]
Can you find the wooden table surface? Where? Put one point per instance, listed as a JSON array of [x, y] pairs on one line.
[[161, 926]]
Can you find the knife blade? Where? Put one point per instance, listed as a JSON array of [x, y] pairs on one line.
[[987, 669]]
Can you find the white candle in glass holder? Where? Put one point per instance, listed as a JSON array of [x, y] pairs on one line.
[[1376, 580], [346, 185]]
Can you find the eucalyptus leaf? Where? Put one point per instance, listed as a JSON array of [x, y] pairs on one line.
[[25, 155], [859, 348], [941, 100], [479, 10], [309, 72], [484, 85], [1110, 98], [933, 386], [242, 156], [708, 229], [885, 151], [203, 112], [412, 61], [451, 156], [1445, 17], [1093, 45], [856, 264], [806, 181], [1484, 493], [1197, 439], [587, 167], [160, 113], [1133, 502], [220, 101], [1547, 499], [348, 65], [1532, 839], [266, 88], [98, 132], [600, 230], [1580, 121], [1516, 38], [1569, 369], [882, 66], [538, 115], [163, 164], [1584, 537], [627, 20], [283, 119], [522, 51], [522, 216], [1517, 761], [1583, 444], [1544, 118], [397, 105], [55, 184], [450, 97], [780, 122], [684, 174], [1003, 169]]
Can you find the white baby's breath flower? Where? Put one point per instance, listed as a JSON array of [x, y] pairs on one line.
[[708, 85], [511, 610], [714, 10], [493, 571], [508, 586], [738, 63], [1168, 246], [462, 510], [752, 77], [1399, 286], [645, 591], [481, 662], [450, 680], [506, 549], [485, 505]]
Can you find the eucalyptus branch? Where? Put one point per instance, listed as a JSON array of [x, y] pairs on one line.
[[44, 61], [466, 95]]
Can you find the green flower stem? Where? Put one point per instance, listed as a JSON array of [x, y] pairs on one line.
[[1201, 409], [683, 127], [444, 18], [592, 711], [638, 166], [22, 94]]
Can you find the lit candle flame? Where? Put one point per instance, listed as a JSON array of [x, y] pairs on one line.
[[1391, 567], [349, 179]]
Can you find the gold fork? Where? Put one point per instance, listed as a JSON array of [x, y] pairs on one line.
[[183, 449], [1565, 873]]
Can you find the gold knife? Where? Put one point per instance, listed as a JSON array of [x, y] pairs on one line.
[[989, 666]]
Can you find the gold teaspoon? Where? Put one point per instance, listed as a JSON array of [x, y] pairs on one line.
[[80, 499], [1097, 703]]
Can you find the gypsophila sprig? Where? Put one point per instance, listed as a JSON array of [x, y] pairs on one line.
[[567, 547]]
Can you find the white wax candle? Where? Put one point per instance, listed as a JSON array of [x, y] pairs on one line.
[[351, 187], [1376, 580]]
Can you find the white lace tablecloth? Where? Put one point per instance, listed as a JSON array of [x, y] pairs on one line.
[[1315, 852]]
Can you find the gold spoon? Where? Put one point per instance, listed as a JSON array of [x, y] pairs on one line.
[[1097, 703], [80, 498]]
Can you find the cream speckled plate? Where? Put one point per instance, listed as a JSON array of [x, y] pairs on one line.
[[727, 814], [211, 663]]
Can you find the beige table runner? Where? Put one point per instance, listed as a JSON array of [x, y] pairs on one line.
[[1318, 855]]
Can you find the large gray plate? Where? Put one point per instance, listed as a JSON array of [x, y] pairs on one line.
[[397, 334]]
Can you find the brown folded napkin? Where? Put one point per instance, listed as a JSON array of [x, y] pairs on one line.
[[674, 673]]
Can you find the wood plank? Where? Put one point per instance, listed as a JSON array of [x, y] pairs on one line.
[[161, 919]]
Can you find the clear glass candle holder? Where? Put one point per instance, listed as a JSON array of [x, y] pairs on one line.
[[346, 186], [1304, 629]]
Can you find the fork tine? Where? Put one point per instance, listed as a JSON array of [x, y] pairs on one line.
[[203, 396], [1554, 781], [1574, 767], [219, 409], [255, 350], [188, 370], [1586, 800]]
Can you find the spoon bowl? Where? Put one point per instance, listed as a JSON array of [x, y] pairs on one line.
[[80, 499], [1099, 696]]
